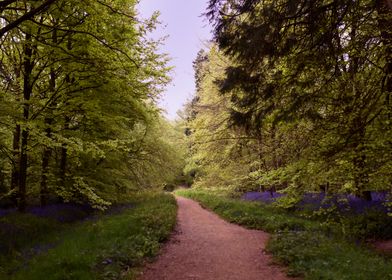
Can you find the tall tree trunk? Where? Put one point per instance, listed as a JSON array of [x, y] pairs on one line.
[[358, 126], [15, 161], [27, 90], [48, 131], [67, 119]]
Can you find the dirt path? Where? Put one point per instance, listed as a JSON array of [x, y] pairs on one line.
[[208, 248], [384, 246]]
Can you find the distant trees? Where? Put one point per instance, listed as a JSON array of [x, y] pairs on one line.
[[310, 82], [79, 81]]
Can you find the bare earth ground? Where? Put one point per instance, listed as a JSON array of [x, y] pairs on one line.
[[208, 248]]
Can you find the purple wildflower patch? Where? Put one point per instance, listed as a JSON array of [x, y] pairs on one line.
[[65, 213], [5, 212], [266, 197], [346, 203]]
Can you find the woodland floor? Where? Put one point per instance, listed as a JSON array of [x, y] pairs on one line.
[[206, 247]]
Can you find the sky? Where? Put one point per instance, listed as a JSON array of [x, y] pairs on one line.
[[187, 32]]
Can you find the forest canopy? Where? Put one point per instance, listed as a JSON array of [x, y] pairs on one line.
[[79, 121]]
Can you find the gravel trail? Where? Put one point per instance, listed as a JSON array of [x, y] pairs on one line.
[[206, 247]]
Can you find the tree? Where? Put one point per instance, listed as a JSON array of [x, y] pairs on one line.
[[321, 66], [213, 158], [80, 83]]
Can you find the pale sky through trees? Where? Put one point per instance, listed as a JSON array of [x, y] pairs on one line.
[[188, 32]]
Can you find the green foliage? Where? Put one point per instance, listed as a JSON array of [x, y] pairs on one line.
[[108, 247], [315, 256], [79, 116], [371, 224], [285, 99], [217, 155]]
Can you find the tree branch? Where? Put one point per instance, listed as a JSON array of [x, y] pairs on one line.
[[25, 17]]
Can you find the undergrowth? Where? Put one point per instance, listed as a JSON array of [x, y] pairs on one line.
[[106, 247]]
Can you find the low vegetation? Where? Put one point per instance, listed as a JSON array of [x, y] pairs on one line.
[[309, 247], [108, 246]]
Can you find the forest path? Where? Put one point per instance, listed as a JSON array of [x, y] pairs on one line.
[[209, 248]]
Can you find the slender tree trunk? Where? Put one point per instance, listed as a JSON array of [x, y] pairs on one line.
[[15, 158], [67, 120], [2, 181], [45, 166], [63, 164], [64, 155], [47, 153], [27, 90], [361, 176], [23, 171], [260, 156], [16, 147], [44, 177]]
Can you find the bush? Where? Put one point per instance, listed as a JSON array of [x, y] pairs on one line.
[[169, 187], [316, 256]]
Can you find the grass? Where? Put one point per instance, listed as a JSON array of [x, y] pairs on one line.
[[21, 230], [307, 247], [110, 247], [248, 214]]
